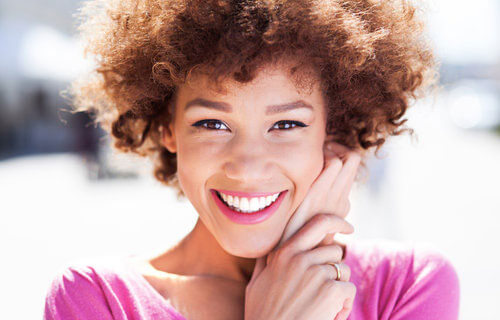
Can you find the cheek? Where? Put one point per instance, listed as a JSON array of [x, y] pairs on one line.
[[192, 165], [197, 155], [301, 160], [196, 161], [307, 166], [303, 167]]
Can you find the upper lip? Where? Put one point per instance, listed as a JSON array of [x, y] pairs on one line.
[[247, 194]]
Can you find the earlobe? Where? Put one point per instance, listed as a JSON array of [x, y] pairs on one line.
[[168, 138], [328, 142]]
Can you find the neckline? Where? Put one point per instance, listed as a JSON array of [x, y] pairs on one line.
[[126, 261]]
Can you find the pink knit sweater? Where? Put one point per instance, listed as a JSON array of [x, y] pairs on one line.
[[394, 281]]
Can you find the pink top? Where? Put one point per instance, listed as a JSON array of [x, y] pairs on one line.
[[393, 280]]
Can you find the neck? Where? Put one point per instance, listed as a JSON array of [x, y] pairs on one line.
[[199, 254]]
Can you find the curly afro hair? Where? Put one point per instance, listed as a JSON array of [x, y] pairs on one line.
[[371, 56]]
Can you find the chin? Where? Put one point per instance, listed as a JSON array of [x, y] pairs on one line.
[[251, 249]]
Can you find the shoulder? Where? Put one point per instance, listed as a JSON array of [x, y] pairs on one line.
[[383, 253], [83, 290], [407, 280]]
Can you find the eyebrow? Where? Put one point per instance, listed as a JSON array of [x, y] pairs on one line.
[[226, 107]]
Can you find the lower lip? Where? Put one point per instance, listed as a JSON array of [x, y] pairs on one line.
[[248, 218]]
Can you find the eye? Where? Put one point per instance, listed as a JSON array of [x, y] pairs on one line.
[[209, 124], [213, 124], [289, 124]]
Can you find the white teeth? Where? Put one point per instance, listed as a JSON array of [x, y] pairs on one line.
[[254, 204], [244, 204], [262, 202], [248, 204], [269, 199]]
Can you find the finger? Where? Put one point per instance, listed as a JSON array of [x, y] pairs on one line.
[[311, 234], [328, 272], [322, 255], [350, 165], [343, 314], [318, 275], [325, 255], [331, 169], [346, 308], [345, 205], [316, 194], [338, 289], [348, 187], [345, 271], [338, 187], [352, 176], [339, 202], [329, 239], [317, 191], [338, 292]]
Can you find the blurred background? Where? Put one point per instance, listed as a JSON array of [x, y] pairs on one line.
[[65, 195]]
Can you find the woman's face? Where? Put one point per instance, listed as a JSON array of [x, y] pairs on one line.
[[245, 148]]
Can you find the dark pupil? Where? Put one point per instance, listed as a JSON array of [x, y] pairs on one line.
[[284, 125], [216, 124]]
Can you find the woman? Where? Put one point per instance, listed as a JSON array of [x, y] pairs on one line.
[[260, 113]]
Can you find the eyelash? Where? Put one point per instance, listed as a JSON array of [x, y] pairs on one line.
[[200, 124]]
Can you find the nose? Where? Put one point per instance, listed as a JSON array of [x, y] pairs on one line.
[[248, 160]]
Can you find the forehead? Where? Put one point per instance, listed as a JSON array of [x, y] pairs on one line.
[[283, 81]]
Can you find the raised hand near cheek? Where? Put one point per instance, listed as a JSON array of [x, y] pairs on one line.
[[342, 186], [295, 280], [299, 282], [329, 193]]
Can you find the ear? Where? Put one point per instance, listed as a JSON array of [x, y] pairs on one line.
[[329, 139], [168, 137]]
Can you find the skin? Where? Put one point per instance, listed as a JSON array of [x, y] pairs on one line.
[[217, 248]]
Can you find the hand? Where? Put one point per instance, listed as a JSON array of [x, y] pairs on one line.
[[330, 191], [293, 280]]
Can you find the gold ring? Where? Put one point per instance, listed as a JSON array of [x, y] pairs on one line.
[[337, 267]]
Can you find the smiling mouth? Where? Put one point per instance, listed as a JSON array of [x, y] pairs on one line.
[[248, 205]]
